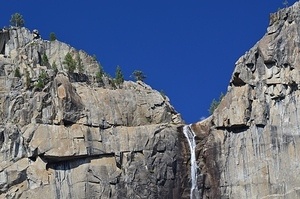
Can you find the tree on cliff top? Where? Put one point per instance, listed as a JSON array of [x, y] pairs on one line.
[[52, 36], [17, 20], [138, 75], [119, 79]]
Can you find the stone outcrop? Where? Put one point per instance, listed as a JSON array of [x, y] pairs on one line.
[[249, 147], [80, 135], [71, 135]]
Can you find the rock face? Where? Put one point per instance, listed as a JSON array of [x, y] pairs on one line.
[[250, 146], [78, 135]]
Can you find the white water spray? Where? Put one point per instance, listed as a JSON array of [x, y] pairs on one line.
[[190, 136]]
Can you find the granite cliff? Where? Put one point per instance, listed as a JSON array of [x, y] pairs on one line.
[[78, 135], [250, 146]]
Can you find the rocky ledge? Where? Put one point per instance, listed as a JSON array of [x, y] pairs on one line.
[[75, 135], [79, 135], [249, 147]]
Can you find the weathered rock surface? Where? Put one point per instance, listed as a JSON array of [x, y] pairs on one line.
[[79, 135], [68, 136], [250, 146]]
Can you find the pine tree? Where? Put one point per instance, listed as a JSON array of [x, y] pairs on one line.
[[119, 79], [54, 67], [139, 75], [42, 80], [17, 72], [214, 104], [52, 36], [17, 20], [79, 64], [100, 74], [70, 63], [45, 61]]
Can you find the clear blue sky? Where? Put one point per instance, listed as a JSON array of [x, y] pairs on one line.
[[186, 48]]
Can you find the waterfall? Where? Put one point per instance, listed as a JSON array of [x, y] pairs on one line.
[[190, 135]]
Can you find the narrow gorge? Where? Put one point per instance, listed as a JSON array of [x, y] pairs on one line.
[[78, 134]]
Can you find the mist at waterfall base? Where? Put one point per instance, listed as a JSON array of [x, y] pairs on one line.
[[186, 48]]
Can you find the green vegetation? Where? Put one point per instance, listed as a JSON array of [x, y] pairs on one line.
[[17, 72], [45, 61], [119, 79], [17, 20], [101, 71], [138, 75], [100, 74], [214, 104], [70, 63], [80, 66], [112, 83], [54, 67], [42, 80], [52, 36], [99, 77]]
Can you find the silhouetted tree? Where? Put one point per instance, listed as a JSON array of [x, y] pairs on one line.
[[138, 75], [17, 20], [119, 79], [52, 36]]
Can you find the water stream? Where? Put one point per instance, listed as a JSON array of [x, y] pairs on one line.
[[190, 135]]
